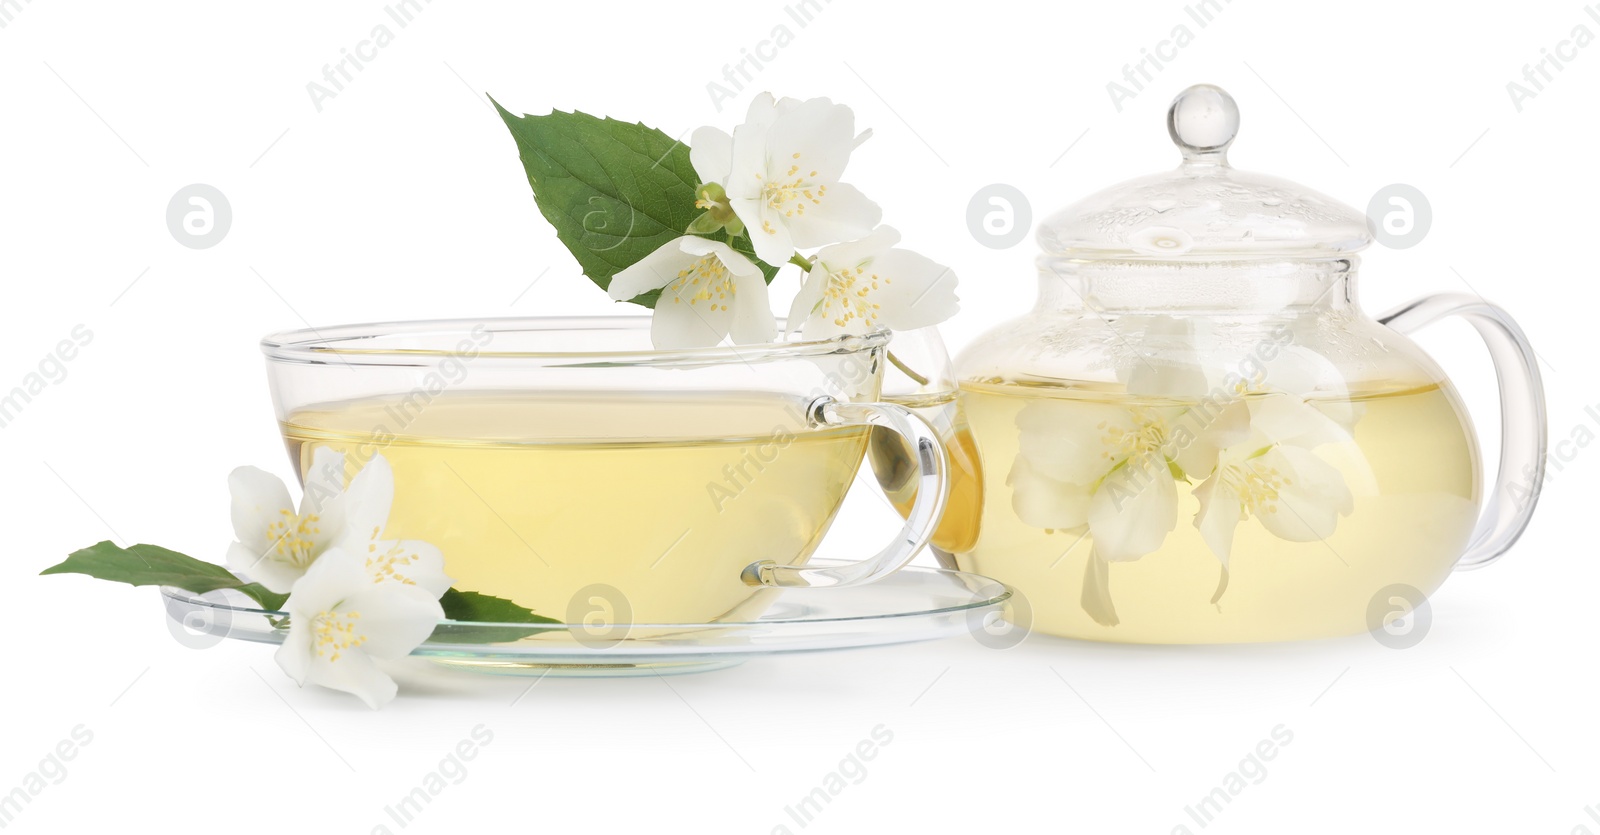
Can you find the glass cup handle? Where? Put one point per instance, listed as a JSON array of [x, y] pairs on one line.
[[1524, 430], [933, 485]]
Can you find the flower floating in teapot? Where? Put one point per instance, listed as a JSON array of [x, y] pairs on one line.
[[1197, 415]]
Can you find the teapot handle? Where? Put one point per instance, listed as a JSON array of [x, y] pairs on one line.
[[1524, 429]]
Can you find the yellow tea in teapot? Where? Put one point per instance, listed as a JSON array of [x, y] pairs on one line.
[[1274, 517], [1197, 435], [650, 505], [895, 470]]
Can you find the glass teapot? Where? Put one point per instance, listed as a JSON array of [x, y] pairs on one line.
[[1198, 436]]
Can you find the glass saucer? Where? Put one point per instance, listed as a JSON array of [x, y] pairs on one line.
[[913, 604]]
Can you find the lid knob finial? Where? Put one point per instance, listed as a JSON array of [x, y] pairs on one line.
[[1202, 122]]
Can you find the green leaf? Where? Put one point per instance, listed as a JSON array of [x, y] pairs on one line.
[[268, 600], [468, 606], [614, 191], [472, 606], [146, 565], [152, 565]]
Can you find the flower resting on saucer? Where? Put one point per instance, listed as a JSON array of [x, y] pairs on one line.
[[275, 543], [353, 595], [342, 617], [350, 596]]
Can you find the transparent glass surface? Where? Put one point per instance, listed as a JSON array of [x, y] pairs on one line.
[[1197, 435], [914, 604], [566, 465], [921, 378]]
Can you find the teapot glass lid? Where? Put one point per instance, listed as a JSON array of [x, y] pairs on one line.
[[1205, 209]]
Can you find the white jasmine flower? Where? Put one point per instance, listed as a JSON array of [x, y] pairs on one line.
[[1271, 473], [781, 171], [1100, 467], [868, 284], [276, 543], [708, 291], [340, 620]]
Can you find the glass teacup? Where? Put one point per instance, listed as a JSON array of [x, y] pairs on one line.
[[566, 465]]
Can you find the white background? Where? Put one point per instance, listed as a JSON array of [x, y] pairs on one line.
[[403, 198]]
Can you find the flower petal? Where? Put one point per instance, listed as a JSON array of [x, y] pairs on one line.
[[278, 576], [683, 321], [394, 619], [652, 272], [1134, 509], [409, 562], [1289, 419], [259, 499], [1211, 430], [1096, 598], [1043, 502], [854, 254], [294, 654], [753, 321], [324, 482], [1219, 516], [769, 236], [1067, 440], [840, 213], [733, 260], [1168, 365], [814, 135], [355, 673], [916, 291], [367, 501], [805, 303], [335, 575], [711, 154], [1312, 498], [764, 110]]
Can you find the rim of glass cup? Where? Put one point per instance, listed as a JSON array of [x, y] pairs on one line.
[[342, 343]]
